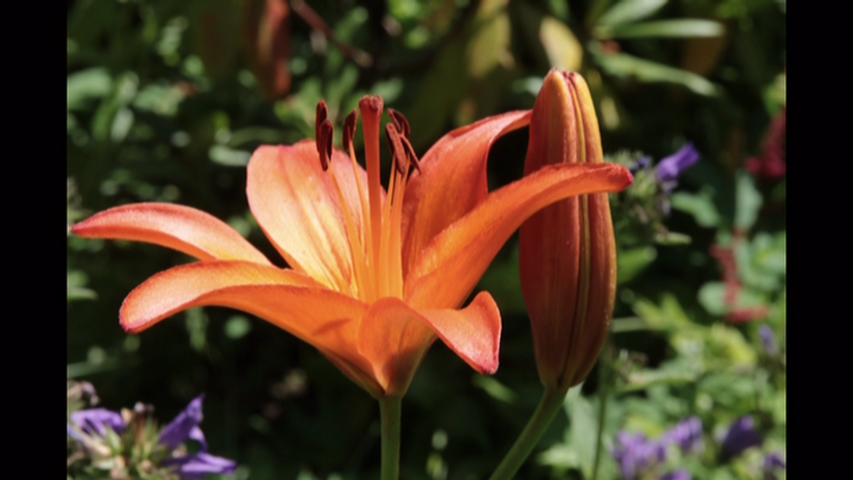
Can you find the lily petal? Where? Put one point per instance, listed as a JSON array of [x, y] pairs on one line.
[[180, 228], [296, 204], [464, 250], [452, 180], [395, 338], [290, 300], [474, 332]]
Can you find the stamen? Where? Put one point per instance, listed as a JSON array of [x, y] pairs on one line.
[[350, 125], [325, 136], [413, 158], [322, 115], [398, 151], [400, 122]]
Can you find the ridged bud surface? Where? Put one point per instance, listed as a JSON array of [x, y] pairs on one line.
[[567, 250]]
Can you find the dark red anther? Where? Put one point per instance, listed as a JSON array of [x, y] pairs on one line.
[[349, 128], [413, 159], [398, 151], [400, 122], [322, 115], [401, 148], [325, 136]]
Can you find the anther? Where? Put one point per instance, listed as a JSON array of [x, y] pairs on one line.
[[413, 159], [349, 128], [400, 122], [398, 151], [325, 136], [322, 114]]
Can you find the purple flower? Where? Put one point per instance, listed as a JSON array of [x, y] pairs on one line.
[[96, 421], [634, 453], [671, 167], [741, 435], [687, 435], [185, 426], [198, 466], [773, 461], [677, 475], [768, 338]]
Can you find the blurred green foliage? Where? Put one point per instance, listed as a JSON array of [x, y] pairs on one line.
[[165, 104]]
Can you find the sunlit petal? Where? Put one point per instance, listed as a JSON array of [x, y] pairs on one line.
[[474, 332], [452, 181], [297, 206], [394, 338], [290, 300], [184, 229], [453, 263]]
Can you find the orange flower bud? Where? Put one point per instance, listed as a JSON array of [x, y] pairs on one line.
[[567, 250]]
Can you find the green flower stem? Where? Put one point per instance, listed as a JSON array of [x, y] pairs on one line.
[[551, 403], [390, 408], [604, 391]]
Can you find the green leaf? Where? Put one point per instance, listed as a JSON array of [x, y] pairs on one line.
[[629, 11], [644, 379], [699, 205], [86, 85], [668, 316], [685, 28], [749, 202], [159, 99], [672, 238], [631, 262], [582, 433], [495, 389], [625, 66], [237, 327], [562, 47], [228, 156], [727, 389], [712, 298]]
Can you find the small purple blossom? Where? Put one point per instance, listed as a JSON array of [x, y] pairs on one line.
[[671, 167], [687, 435], [741, 436], [185, 426], [768, 338], [198, 466], [677, 475], [95, 421]]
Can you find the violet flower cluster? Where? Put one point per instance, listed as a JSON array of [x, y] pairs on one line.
[[743, 435], [636, 455], [660, 181], [100, 434]]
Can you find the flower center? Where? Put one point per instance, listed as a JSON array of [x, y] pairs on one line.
[[374, 237]]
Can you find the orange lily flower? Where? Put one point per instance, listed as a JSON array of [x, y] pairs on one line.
[[375, 276]]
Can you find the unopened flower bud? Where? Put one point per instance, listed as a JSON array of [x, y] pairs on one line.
[[567, 251]]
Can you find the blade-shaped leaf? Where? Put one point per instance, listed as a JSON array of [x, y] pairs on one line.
[[683, 28]]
